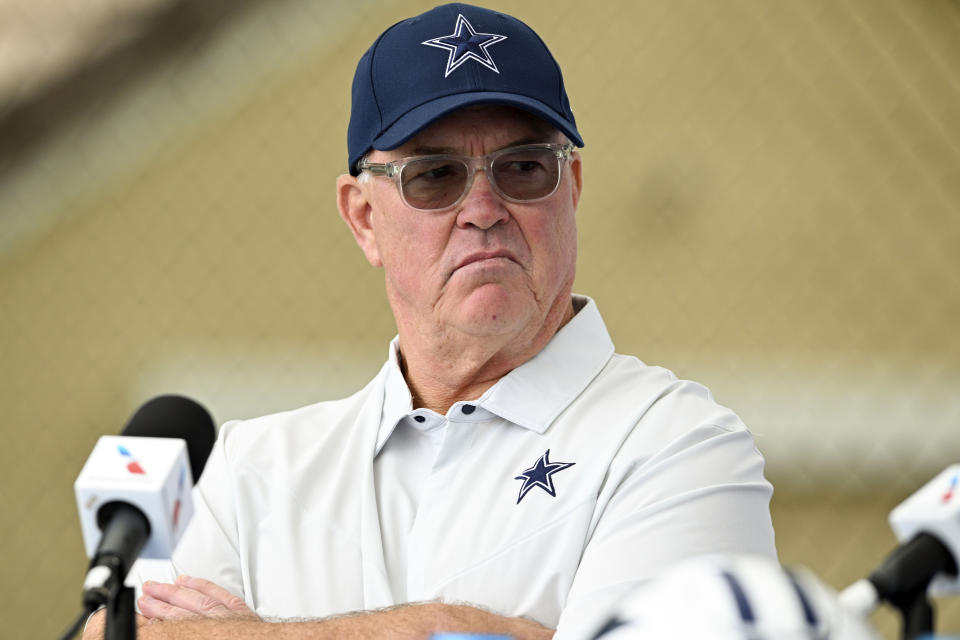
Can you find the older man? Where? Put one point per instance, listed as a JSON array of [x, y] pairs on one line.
[[505, 471]]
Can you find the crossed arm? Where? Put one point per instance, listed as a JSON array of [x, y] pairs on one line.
[[198, 608]]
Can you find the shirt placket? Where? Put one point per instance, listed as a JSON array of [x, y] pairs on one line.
[[423, 562]]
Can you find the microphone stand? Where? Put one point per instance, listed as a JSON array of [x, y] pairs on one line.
[[123, 538], [121, 617], [917, 612]]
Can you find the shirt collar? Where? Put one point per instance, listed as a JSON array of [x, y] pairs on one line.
[[397, 400], [535, 393]]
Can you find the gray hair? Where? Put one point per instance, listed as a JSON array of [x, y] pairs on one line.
[[364, 176]]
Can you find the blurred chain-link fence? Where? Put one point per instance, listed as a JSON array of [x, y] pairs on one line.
[[771, 207]]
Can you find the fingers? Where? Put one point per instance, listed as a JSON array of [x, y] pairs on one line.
[[214, 591], [191, 598], [156, 609]]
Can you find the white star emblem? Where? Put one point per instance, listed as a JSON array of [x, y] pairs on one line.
[[466, 44]]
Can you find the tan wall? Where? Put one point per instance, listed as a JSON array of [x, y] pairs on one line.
[[770, 207]]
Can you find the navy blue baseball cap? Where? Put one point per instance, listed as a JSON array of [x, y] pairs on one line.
[[450, 57]]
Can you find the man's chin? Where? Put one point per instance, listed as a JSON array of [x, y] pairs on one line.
[[493, 310]]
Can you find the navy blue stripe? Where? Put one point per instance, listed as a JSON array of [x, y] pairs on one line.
[[746, 612], [808, 612], [612, 623]]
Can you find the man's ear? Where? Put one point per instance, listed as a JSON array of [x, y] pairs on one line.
[[356, 211]]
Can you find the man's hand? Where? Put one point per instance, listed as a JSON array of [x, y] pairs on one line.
[[191, 598]]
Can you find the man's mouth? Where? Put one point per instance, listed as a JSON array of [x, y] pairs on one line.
[[481, 256]]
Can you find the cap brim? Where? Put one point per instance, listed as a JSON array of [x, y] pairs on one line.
[[419, 118]]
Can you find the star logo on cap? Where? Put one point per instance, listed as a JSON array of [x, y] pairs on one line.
[[541, 475], [466, 44]]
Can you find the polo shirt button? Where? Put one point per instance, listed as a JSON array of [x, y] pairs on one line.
[[468, 409], [419, 418]]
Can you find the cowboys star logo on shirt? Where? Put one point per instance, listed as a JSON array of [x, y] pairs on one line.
[[466, 44], [541, 475]]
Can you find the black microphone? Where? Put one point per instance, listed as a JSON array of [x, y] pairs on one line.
[[172, 416], [912, 566], [133, 493]]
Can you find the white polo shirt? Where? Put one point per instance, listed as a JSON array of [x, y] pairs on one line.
[[576, 476]]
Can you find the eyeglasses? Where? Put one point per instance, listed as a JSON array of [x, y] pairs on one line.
[[518, 174]]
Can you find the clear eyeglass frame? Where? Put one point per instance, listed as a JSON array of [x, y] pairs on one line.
[[394, 170]]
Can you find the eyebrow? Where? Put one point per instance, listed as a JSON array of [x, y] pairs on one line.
[[425, 150]]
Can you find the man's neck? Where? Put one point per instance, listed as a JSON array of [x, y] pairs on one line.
[[446, 367]]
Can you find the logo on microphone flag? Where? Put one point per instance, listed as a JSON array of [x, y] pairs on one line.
[[952, 489], [178, 503], [132, 466]]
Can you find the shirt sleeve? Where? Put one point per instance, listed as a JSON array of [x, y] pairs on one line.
[[702, 492], [209, 546]]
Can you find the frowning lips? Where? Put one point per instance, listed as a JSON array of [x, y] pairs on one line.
[[485, 255]]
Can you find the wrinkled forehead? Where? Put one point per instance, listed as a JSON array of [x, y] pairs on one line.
[[477, 130]]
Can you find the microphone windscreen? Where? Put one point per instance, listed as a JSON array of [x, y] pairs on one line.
[[172, 416]]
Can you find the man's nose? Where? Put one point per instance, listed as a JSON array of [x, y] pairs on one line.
[[482, 207]]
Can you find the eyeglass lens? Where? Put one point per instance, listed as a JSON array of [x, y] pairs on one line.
[[437, 183]]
